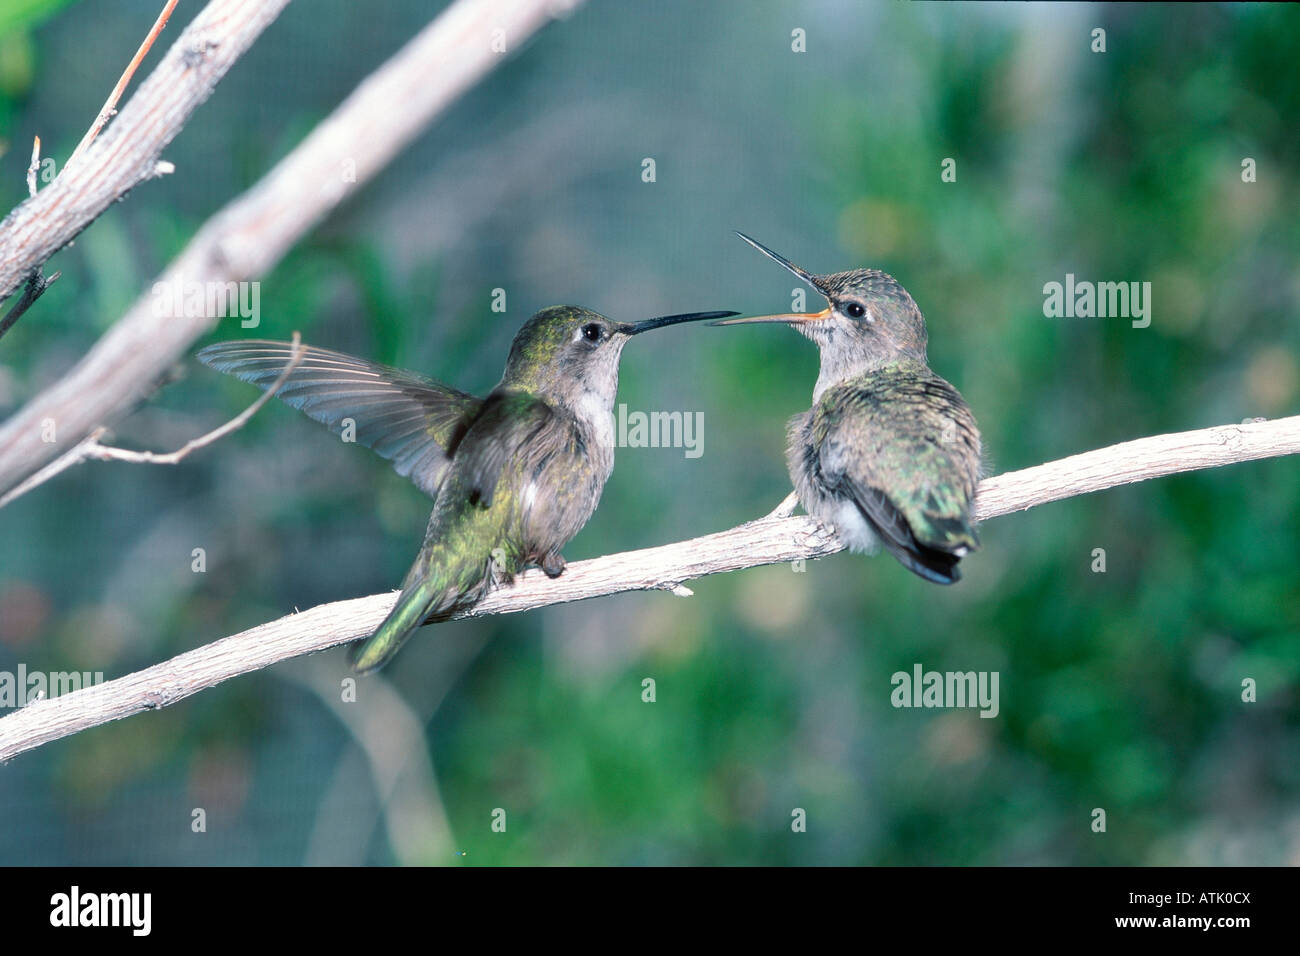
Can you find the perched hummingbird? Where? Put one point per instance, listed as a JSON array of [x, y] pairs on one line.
[[513, 476], [889, 453]]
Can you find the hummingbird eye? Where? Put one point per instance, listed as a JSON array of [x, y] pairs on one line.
[[855, 310], [592, 332]]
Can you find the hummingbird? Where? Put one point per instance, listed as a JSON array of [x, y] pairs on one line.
[[513, 476], [889, 453]]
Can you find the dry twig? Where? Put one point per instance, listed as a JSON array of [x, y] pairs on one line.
[[92, 449], [110, 105], [36, 281], [129, 151]]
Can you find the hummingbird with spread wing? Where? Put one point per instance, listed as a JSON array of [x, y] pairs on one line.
[[889, 454], [513, 476]]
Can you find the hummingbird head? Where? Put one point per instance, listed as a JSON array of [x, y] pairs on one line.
[[570, 355], [869, 319]]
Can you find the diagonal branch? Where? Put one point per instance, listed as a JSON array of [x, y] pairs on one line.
[[37, 283], [770, 540], [109, 453], [92, 450], [128, 153], [110, 105], [251, 234]]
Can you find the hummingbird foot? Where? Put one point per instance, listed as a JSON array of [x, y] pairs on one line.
[[553, 564]]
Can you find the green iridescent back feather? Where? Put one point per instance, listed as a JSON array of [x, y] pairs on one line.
[[904, 443]]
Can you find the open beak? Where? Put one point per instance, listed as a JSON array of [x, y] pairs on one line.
[[636, 328], [787, 318]]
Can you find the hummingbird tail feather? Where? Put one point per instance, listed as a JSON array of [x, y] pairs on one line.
[[934, 554], [929, 563], [420, 598], [413, 606]]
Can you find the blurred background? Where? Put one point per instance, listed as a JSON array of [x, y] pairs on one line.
[[1119, 690]]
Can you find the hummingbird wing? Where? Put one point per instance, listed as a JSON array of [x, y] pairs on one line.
[[902, 444], [410, 420], [503, 430]]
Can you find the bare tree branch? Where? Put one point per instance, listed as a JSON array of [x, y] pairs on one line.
[[250, 235], [128, 153], [37, 283], [769, 540], [109, 453], [92, 450], [110, 105]]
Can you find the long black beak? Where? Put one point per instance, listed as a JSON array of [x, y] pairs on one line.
[[636, 328], [802, 273], [788, 318]]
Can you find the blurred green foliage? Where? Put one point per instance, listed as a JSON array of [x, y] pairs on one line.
[[1119, 690]]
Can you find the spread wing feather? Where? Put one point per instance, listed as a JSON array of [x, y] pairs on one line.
[[408, 419]]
